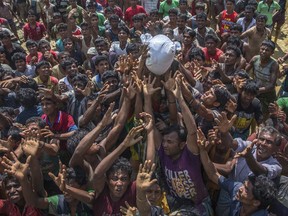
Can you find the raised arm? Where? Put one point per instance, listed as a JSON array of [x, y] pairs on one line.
[[84, 145], [188, 118], [209, 167], [99, 177]]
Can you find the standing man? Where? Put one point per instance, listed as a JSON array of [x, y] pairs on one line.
[[131, 11]]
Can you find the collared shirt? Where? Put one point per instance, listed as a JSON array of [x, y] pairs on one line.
[[52, 83], [264, 9], [241, 170], [66, 82], [241, 21]]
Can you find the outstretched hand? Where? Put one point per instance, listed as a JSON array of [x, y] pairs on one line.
[[148, 86], [133, 136], [247, 151], [15, 167], [31, 146], [109, 117], [129, 210], [148, 121], [60, 180], [223, 123], [145, 172]]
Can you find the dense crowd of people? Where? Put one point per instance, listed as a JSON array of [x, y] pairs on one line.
[[92, 124]]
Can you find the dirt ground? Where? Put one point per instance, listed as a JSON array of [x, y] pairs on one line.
[[282, 42]]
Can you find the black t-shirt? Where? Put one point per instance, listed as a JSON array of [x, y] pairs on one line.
[[246, 115]]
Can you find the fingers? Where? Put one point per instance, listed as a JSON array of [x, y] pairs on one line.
[[52, 176]]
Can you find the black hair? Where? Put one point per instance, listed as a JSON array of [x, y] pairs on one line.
[[109, 74], [233, 41], [250, 7], [212, 37], [80, 77], [269, 43], [77, 174], [67, 62], [67, 40], [253, 3], [27, 97], [38, 120], [154, 11], [41, 64], [31, 43], [124, 28], [264, 190], [235, 49], [30, 83], [183, 1], [4, 34], [262, 17], [181, 131], [109, 9], [100, 58], [8, 178], [231, 1], [131, 47], [242, 73], [120, 164], [61, 26], [137, 17], [273, 132], [201, 15], [62, 54], [84, 24], [236, 27], [196, 52], [222, 95], [30, 12], [9, 110], [43, 42], [114, 17], [19, 56], [100, 40], [94, 15], [170, 30], [200, 5], [74, 140], [250, 86], [190, 32], [14, 132], [173, 11], [182, 16]]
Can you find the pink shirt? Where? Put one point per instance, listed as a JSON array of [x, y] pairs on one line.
[[36, 33]]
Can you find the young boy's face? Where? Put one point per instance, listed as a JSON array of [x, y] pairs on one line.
[[265, 52], [44, 72], [32, 49], [229, 6], [20, 65], [48, 106], [31, 18], [209, 98], [94, 21], [102, 66], [137, 24]]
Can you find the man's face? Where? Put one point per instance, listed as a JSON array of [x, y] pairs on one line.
[[187, 39], [48, 107], [265, 146], [71, 70], [94, 21], [31, 18], [211, 45], [235, 33], [260, 23], [181, 23], [63, 33], [247, 97], [100, 47], [200, 22], [265, 52], [32, 49], [13, 191], [229, 6], [172, 17], [248, 14], [44, 72], [20, 65], [133, 3], [78, 85], [68, 46], [230, 57], [44, 47], [102, 66], [183, 6], [118, 183], [113, 84], [122, 35], [172, 145], [199, 10], [245, 194], [154, 194], [114, 23], [6, 40], [209, 98], [137, 24]]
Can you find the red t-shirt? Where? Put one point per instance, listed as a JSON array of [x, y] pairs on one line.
[[227, 20], [36, 33], [10, 209], [29, 57], [130, 12], [208, 57], [105, 206]]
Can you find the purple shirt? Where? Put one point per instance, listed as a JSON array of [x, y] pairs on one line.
[[184, 176]]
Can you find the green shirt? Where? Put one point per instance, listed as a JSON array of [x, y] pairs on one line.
[[264, 9], [164, 7]]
